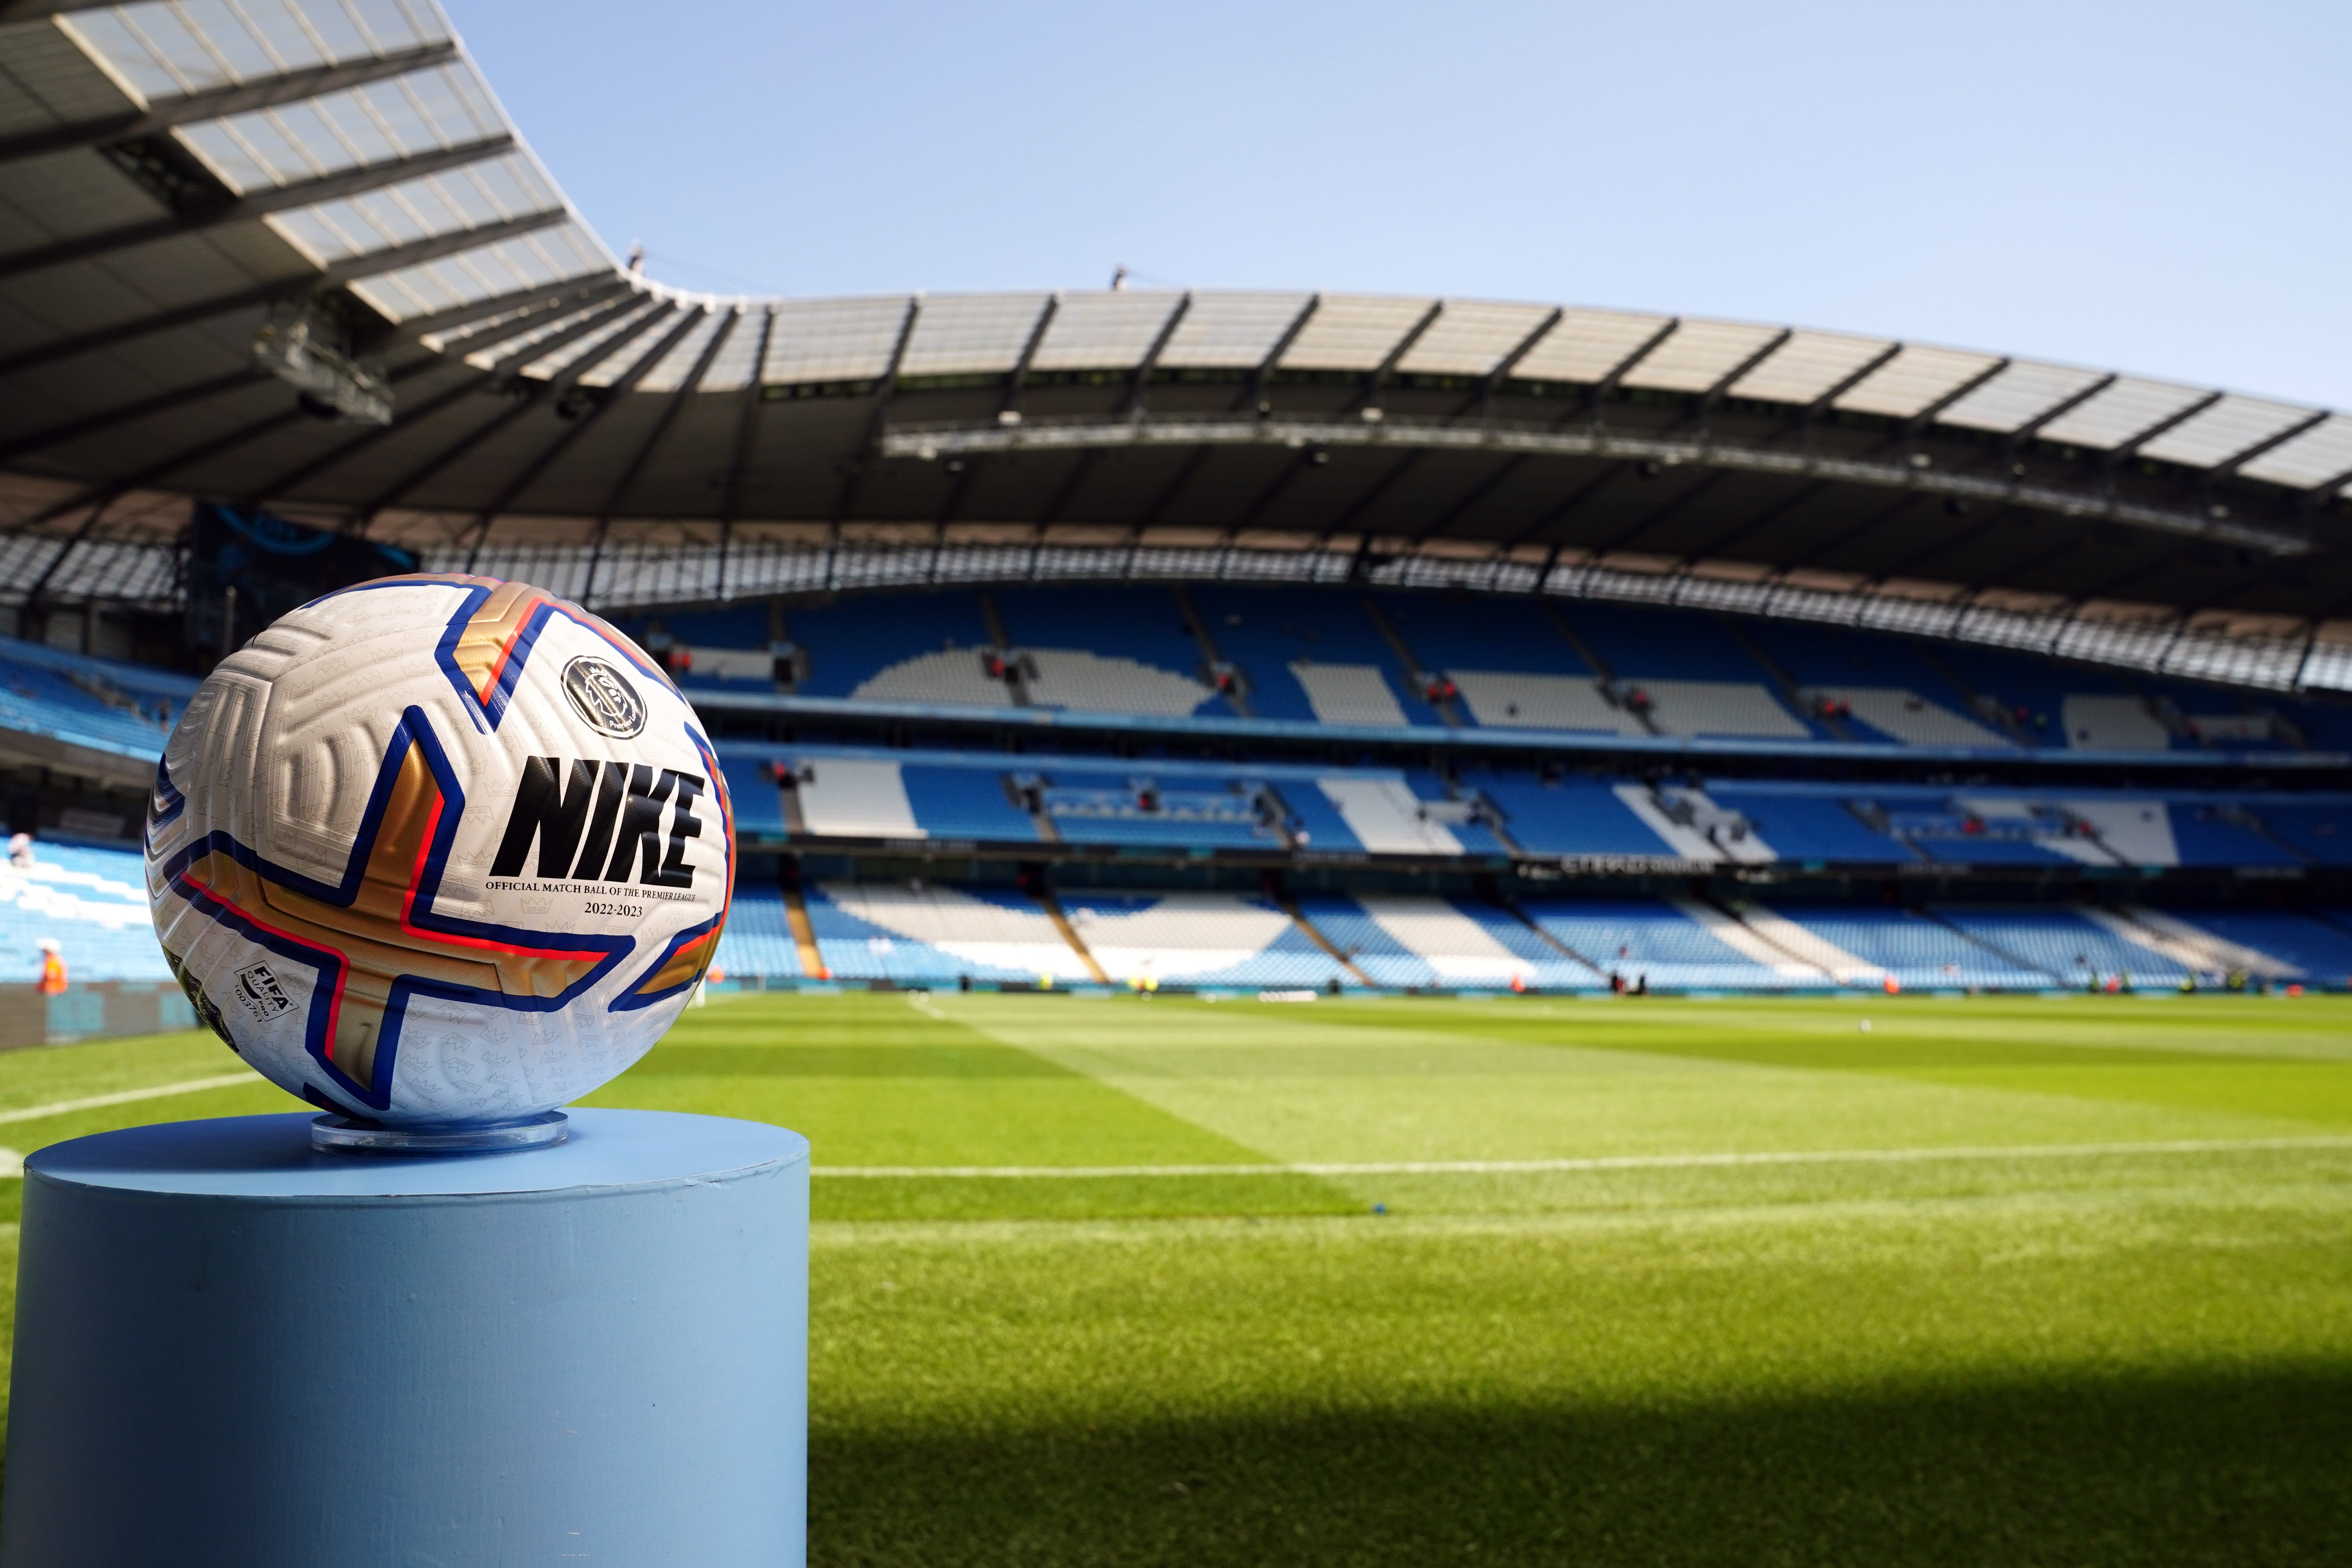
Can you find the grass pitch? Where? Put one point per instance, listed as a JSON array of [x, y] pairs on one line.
[[2012, 1281]]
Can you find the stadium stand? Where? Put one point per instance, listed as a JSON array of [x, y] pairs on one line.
[[927, 652], [1200, 940], [2301, 946], [1310, 656], [1920, 952], [1662, 944], [1474, 946], [758, 940], [921, 936], [2323, 832], [104, 705], [1112, 650], [91, 901], [2062, 943]]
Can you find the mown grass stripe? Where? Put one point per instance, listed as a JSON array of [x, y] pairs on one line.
[[128, 1096], [1601, 1163]]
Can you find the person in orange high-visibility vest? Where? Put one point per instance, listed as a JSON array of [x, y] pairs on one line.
[[53, 967]]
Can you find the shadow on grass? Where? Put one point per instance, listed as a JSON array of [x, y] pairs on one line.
[[2221, 1468]]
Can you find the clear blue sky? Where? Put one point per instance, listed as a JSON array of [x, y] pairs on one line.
[[2152, 187]]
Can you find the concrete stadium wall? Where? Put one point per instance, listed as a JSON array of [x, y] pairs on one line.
[[93, 1012]]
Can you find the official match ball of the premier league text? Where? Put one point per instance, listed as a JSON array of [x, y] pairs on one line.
[[439, 850]]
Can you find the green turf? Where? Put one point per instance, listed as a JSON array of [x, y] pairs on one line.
[[2113, 1354]]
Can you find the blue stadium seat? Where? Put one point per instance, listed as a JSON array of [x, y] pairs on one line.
[[1807, 826], [1573, 816], [1267, 630], [92, 901], [2323, 832], [2061, 943], [2317, 946], [852, 641], [127, 709], [1921, 953], [758, 940], [2207, 836], [1649, 939]]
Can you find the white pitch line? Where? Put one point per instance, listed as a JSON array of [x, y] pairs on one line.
[[1608, 1162], [128, 1096]]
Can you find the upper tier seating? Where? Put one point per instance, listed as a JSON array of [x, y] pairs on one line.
[[127, 709], [903, 649], [1276, 633], [1694, 674], [917, 796], [2323, 832], [1321, 655]]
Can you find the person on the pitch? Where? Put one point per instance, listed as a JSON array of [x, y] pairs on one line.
[[53, 967]]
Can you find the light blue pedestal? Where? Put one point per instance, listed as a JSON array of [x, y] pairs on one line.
[[232, 1351]]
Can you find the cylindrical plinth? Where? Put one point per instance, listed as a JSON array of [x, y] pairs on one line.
[[232, 1349]]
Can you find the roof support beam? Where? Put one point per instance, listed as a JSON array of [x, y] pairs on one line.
[[1601, 391], [1494, 379], [747, 428], [1847, 383], [1567, 504], [2124, 451], [129, 413], [1731, 378], [212, 445], [481, 381], [572, 291], [1927, 417], [253, 207], [1374, 494], [162, 403], [670, 410], [1014, 384], [1494, 480], [344, 271], [1137, 386], [2058, 410], [1756, 521], [1371, 396], [1008, 407], [586, 421], [190, 107], [2244, 455], [1260, 378], [1307, 436], [1707, 485], [555, 388], [853, 483]]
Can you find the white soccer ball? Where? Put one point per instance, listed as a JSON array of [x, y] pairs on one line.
[[439, 849]]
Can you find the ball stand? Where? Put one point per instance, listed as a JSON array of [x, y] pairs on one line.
[[349, 1134], [234, 1349]]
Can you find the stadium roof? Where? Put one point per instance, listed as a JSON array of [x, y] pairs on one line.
[[177, 176]]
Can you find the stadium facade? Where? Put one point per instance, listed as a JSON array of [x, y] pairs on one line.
[[1281, 640]]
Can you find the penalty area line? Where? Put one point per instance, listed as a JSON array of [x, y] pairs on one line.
[[1603, 1162], [129, 1095]]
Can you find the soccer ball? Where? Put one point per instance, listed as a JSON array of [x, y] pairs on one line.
[[439, 850]]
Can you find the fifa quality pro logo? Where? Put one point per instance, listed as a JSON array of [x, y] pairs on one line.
[[601, 694]]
